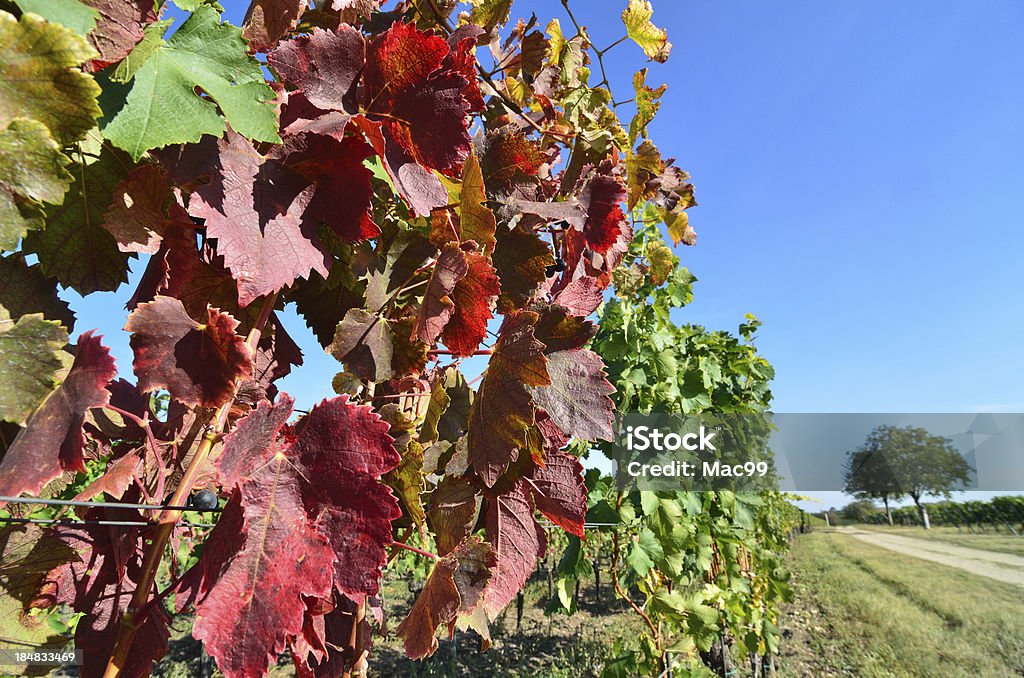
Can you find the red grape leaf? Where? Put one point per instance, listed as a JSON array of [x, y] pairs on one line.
[[455, 585], [402, 58], [436, 604], [260, 589], [263, 242], [503, 409], [477, 562], [576, 398], [517, 540], [365, 343], [264, 210], [510, 156], [476, 220], [417, 185], [601, 198], [324, 65], [267, 21], [252, 441], [419, 96], [521, 259], [142, 210], [115, 480], [275, 354], [553, 436], [100, 584], [198, 364], [345, 449], [437, 307], [462, 60], [475, 297], [52, 439], [581, 296], [558, 330], [559, 490], [452, 513], [119, 28]]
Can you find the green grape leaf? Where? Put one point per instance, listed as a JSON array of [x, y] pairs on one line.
[[652, 40], [30, 353], [24, 289], [32, 170], [162, 107], [40, 80], [74, 14], [74, 247]]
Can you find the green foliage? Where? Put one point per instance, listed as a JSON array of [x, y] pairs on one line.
[[162, 106], [32, 171]]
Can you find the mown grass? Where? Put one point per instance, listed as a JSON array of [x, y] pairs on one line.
[[864, 611], [1002, 541]]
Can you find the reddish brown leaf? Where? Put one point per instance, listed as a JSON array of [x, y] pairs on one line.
[[99, 583], [259, 232], [510, 156], [462, 60], [115, 481], [517, 540], [274, 356], [252, 441], [420, 98], [452, 513], [581, 296], [197, 364], [577, 396], [142, 210], [558, 330], [477, 562], [365, 343], [267, 21], [521, 259], [474, 297], [417, 185], [260, 588], [455, 586], [264, 211], [119, 27], [503, 410], [345, 449], [559, 490], [436, 604], [52, 440], [438, 307], [324, 65], [601, 198]]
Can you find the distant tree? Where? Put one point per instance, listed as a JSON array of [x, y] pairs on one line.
[[894, 462], [859, 511]]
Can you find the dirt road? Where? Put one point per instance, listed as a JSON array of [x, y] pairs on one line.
[[1004, 567]]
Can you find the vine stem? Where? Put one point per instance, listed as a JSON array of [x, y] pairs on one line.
[[407, 547], [137, 610]]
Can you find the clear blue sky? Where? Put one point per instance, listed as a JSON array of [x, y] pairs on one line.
[[859, 171]]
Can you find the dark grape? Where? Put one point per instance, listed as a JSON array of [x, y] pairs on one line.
[[203, 499], [556, 267]]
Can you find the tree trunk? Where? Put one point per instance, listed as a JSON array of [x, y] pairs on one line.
[[888, 511]]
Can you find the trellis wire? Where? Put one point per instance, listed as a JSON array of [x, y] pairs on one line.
[[108, 504], [111, 523]]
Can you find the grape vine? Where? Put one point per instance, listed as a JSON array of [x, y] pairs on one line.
[[425, 182]]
